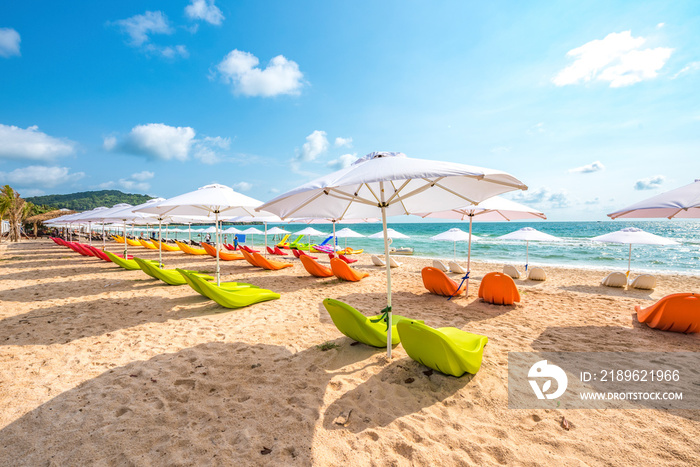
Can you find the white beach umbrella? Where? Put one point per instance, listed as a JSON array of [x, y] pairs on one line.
[[528, 234], [309, 231], [348, 233], [681, 203], [492, 209], [252, 231], [277, 231], [213, 201], [390, 233], [454, 235], [231, 230], [633, 236], [104, 216], [390, 184], [334, 222]]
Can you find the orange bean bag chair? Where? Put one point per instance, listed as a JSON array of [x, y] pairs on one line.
[[679, 312], [314, 268], [222, 254], [341, 270], [499, 289], [270, 264], [438, 283]]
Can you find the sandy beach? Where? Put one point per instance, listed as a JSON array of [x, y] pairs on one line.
[[104, 366]]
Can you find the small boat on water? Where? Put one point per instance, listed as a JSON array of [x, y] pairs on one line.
[[404, 250]]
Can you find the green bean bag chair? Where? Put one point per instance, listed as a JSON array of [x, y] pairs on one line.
[[129, 264], [169, 276], [231, 296], [359, 327], [189, 280], [447, 350]]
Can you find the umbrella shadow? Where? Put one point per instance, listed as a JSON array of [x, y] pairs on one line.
[[435, 310], [639, 338], [66, 323], [402, 388], [209, 404], [77, 288], [610, 291]]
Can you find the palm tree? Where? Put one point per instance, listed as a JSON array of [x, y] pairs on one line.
[[12, 205]]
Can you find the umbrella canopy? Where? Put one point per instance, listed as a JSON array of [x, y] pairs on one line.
[[388, 184], [212, 201], [454, 235], [493, 209], [252, 231], [231, 230], [633, 236], [309, 231], [348, 233], [682, 203], [390, 233], [528, 234]]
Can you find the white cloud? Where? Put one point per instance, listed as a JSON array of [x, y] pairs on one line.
[[9, 42], [208, 149], [536, 128], [46, 177], [240, 69], [140, 27], [689, 68], [31, 144], [167, 51], [316, 144], [343, 161], [649, 183], [242, 186], [660, 25], [164, 142], [593, 201], [204, 10], [544, 197], [596, 166], [110, 142], [143, 176], [135, 182], [274, 190], [617, 59], [160, 141], [343, 142]]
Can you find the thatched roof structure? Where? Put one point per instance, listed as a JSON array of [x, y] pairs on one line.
[[47, 216]]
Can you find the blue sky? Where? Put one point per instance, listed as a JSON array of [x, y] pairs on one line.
[[594, 105]]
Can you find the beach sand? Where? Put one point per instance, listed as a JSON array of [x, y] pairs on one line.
[[104, 366]]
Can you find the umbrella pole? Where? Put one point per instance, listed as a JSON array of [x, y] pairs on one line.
[[103, 235], [629, 262], [189, 233], [388, 276], [469, 256], [160, 246], [265, 252], [334, 239], [527, 254], [454, 251], [218, 274], [125, 244], [89, 233]]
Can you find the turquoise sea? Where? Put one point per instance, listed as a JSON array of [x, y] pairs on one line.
[[575, 249]]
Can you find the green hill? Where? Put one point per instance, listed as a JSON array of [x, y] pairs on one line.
[[89, 199]]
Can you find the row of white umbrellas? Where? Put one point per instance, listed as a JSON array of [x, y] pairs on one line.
[[379, 184]]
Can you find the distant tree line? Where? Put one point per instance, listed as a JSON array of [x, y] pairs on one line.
[[88, 199]]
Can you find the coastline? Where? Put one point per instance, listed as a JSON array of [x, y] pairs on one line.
[[104, 365]]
